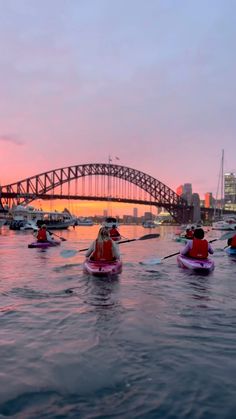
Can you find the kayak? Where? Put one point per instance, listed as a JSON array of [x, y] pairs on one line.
[[231, 251], [43, 245], [102, 268], [197, 265]]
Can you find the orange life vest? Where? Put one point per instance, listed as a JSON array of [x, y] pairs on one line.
[[199, 249], [103, 251], [233, 242], [42, 235]]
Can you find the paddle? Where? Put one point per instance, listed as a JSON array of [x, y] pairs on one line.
[[69, 253], [54, 234], [157, 261]]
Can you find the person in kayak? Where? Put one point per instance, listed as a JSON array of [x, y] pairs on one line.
[[43, 235], [189, 234], [103, 248], [198, 248], [232, 242], [114, 233]]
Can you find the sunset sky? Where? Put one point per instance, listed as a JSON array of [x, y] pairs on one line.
[[150, 81]]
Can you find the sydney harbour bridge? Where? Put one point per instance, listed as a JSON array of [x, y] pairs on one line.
[[99, 182]]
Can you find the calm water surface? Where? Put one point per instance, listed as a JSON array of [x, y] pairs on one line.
[[156, 342]]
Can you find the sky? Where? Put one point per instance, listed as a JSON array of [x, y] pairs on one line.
[[150, 81]]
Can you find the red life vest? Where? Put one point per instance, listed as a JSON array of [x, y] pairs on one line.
[[42, 235], [189, 234], [199, 249], [233, 242], [114, 232], [103, 251]]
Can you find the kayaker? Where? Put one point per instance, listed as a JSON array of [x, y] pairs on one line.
[[114, 232], [103, 248], [189, 234], [198, 247], [43, 235], [232, 242]]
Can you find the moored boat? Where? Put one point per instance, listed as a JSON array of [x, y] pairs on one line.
[[197, 265], [27, 217], [102, 268], [43, 245]]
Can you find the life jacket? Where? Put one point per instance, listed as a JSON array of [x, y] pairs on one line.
[[199, 249], [42, 235], [114, 232], [189, 234], [103, 251], [233, 242]]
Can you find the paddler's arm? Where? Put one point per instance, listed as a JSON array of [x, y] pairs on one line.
[[90, 249], [187, 248]]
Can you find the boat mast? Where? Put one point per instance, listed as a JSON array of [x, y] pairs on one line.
[[222, 183]]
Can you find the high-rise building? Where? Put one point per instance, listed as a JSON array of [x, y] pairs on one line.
[[209, 200], [135, 212], [195, 201], [187, 192], [230, 191], [179, 190]]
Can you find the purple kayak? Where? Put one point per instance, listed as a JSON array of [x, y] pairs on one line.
[[197, 265], [102, 268], [43, 245]]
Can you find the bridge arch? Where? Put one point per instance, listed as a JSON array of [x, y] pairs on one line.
[[34, 187]]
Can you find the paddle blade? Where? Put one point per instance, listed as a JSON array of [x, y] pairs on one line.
[[150, 262], [62, 239], [228, 235], [68, 253], [149, 236]]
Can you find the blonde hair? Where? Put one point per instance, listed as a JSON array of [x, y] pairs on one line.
[[103, 235]]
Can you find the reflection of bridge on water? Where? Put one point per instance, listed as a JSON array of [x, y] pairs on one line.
[[100, 182]]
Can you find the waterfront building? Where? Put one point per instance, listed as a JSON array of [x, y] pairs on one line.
[[180, 190], [187, 192], [209, 200], [230, 191], [195, 201]]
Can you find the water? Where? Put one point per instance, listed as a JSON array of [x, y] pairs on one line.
[[156, 342]]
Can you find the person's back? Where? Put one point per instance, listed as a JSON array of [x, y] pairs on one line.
[[42, 234], [103, 248], [199, 247]]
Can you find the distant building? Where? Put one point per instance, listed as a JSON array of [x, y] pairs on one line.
[[105, 213], [230, 191], [209, 200], [187, 192], [135, 212], [147, 216], [195, 201], [180, 190]]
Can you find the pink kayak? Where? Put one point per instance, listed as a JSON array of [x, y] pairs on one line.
[[43, 245], [197, 265], [102, 268]]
